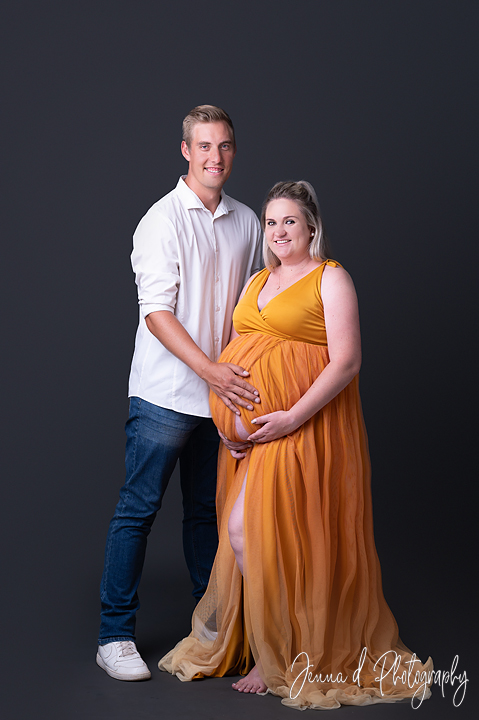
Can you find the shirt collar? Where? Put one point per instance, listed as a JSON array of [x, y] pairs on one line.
[[191, 201]]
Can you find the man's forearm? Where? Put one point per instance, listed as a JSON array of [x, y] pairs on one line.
[[171, 333]]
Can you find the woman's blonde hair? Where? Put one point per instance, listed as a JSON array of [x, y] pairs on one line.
[[302, 193]]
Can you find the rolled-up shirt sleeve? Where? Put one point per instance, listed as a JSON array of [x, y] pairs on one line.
[[155, 263]]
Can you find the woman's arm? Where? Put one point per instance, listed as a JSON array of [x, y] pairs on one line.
[[344, 346]]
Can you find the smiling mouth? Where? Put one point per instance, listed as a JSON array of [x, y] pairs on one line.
[[282, 242], [214, 171]]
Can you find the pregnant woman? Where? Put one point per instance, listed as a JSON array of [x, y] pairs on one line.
[[295, 599]]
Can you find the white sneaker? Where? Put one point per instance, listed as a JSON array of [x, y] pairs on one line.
[[121, 660]]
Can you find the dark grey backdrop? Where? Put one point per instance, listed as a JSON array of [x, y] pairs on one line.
[[371, 101]]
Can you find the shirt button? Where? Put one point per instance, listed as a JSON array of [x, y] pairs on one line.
[[218, 308], [217, 339]]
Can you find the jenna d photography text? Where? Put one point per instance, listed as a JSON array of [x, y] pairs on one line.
[[421, 680]]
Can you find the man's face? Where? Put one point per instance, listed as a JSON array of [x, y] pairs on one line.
[[210, 156]]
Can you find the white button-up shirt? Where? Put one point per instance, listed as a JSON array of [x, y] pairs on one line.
[[193, 264]]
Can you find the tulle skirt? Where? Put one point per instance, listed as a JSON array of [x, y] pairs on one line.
[[311, 606]]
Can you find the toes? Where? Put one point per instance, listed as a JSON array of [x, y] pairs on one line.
[[239, 686], [249, 686]]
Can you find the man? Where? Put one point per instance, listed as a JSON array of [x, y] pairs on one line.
[[192, 253]]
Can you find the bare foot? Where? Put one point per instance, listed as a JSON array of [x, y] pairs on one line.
[[252, 683]]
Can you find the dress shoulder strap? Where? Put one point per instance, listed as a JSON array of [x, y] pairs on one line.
[[331, 263]]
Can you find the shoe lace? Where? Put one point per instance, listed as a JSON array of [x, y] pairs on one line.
[[127, 647]]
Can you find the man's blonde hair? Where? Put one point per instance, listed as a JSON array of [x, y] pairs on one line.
[[205, 114]]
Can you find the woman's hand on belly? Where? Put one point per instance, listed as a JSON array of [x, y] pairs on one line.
[[273, 426], [237, 449]]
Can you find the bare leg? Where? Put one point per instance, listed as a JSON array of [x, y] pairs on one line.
[[253, 682], [235, 526], [235, 521]]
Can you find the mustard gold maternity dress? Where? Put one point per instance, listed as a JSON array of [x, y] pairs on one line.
[[312, 593]]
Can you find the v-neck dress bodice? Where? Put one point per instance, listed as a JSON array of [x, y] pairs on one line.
[[294, 314]]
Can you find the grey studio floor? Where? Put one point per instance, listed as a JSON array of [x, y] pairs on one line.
[[69, 685]]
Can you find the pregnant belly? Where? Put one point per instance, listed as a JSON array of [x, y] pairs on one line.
[[281, 371]]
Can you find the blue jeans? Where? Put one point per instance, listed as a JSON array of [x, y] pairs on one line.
[[156, 438]]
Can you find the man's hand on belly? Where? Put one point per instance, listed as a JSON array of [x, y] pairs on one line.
[[227, 381]]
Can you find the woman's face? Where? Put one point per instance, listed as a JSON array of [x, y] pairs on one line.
[[286, 230]]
